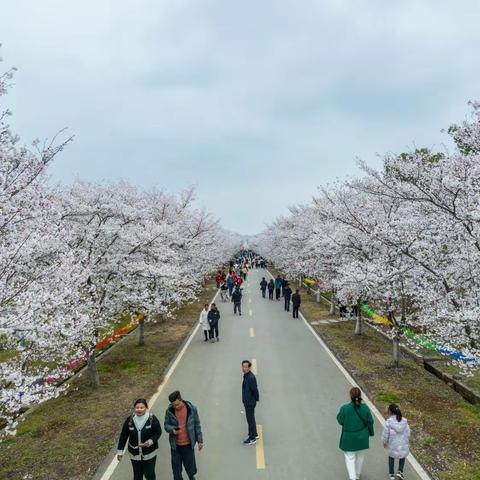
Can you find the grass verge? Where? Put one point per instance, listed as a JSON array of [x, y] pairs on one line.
[[67, 437]]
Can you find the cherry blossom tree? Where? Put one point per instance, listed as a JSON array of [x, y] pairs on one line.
[[404, 238]]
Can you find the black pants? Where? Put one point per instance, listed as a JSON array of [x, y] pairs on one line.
[[263, 292], [270, 294], [213, 332], [391, 465], [183, 456], [287, 304], [252, 425], [206, 333], [295, 311], [277, 293], [237, 306], [144, 467]]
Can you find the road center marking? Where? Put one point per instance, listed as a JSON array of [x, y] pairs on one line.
[[254, 365], [260, 451], [249, 300], [250, 312], [252, 332]]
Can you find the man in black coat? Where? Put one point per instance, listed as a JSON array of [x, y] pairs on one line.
[[213, 318], [284, 285], [250, 397], [296, 301], [287, 293], [263, 286], [271, 288], [237, 301]]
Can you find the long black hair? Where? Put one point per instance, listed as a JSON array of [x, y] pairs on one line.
[[394, 410]]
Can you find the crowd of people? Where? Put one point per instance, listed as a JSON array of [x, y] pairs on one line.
[[142, 430]]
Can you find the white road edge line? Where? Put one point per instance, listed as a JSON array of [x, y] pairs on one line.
[[114, 463], [411, 459]]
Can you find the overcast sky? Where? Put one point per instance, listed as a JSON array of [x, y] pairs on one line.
[[254, 102]]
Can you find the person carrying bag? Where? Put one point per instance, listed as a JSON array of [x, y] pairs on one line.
[[357, 428]]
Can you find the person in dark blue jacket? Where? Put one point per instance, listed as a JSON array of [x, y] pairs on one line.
[[250, 397], [213, 319], [237, 301]]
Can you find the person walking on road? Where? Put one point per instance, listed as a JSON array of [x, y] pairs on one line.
[[396, 437], [218, 278], [278, 286], [271, 288], [204, 322], [224, 291], [296, 301], [213, 319], [263, 286], [142, 431], [287, 294], [245, 271], [183, 424], [250, 397], [284, 285], [231, 284], [357, 428], [237, 301]]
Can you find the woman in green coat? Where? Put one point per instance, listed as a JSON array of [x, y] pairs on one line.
[[357, 428]]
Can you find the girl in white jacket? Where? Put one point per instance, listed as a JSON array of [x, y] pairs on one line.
[[396, 437], [204, 321]]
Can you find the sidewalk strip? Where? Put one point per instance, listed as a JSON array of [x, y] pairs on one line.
[[259, 448]]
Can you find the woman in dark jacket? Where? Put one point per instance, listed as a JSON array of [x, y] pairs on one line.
[[142, 430], [271, 288]]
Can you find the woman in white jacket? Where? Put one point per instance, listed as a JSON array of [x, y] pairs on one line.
[[396, 437], [204, 321]]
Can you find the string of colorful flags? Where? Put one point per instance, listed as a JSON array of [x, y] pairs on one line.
[[417, 338], [408, 332], [102, 343]]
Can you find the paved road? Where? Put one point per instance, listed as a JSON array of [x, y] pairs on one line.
[[301, 390]]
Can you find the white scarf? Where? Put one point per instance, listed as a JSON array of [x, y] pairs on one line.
[[141, 420]]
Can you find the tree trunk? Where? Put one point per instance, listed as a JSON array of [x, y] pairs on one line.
[[141, 332], [333, 305], [300, 281], [92, 369], [396, 349], [359, 323], [318, 295]]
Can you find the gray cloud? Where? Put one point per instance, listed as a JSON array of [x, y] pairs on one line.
[[256, 103]]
